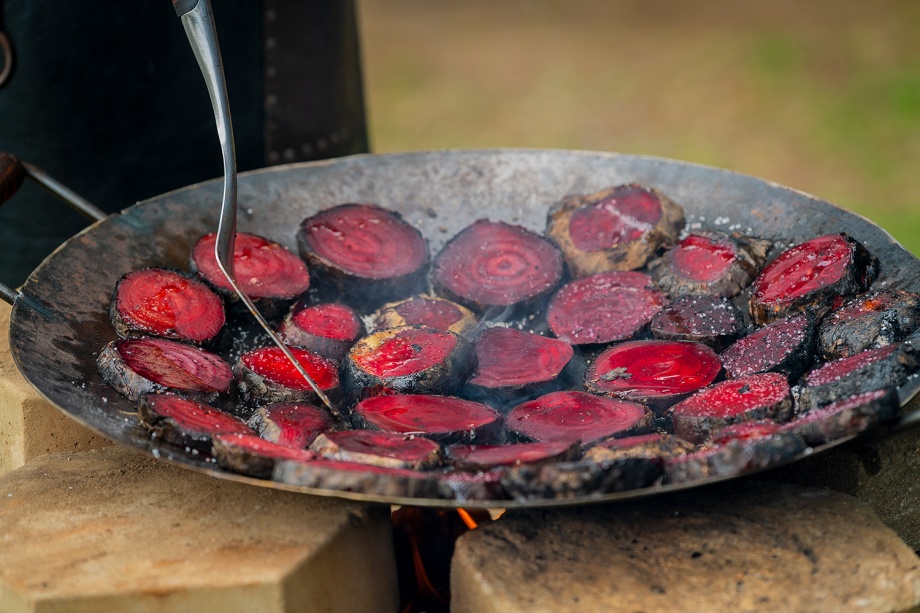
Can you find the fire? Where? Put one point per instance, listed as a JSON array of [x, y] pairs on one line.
[[467, 519]]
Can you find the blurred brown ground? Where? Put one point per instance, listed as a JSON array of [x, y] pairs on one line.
[[823, 96]]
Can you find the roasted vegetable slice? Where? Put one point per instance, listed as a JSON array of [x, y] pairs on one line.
[[869, 321], [329, 329]]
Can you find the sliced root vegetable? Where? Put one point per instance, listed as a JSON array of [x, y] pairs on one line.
[[761, 396], [734, 457], [424, 310], [606, 307], [484, 457], [869, 321], [577, 479], [265, 375], [655, 447], [705, 319], [844, 417], [746, 430], [785, 346], [354, 477], [458, 485], [184, 422], [329, 329], [378, 448], [815, 276], [619, 228], [442, 418], [654, 372], [140, 366], [497, 268], [291, 424], [251, 455], [363, 254], [577, 416]]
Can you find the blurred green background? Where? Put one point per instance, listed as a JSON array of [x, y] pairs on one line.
[[823, 96]]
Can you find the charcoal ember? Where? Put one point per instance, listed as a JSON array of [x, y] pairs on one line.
[[733, 457], [165, 303], [785, 346], [425, 310], [359, 478], [290, 423], [467, 486], [411, 359], [329, 328], [869, 321], [603, 308], [184, 422], [252, 455], [709, 264], [444, 419], [709, 320], [497, 269], [561, 480], [620, 228], [751, 398], [136, 367], [378, 448], [815, 276], [577, 416], [845, 417], [870, 370], [656, 447], [363, 254], [657, 373], [477, 458], [265, 376]]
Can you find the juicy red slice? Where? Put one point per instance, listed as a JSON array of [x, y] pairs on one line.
[[290, 423], [705, 319], [837, 370], [427, 415], [252, 444], [703, 259], [330, 320], [406, 352], [272, 364], [193, 417], [175, 365], [168, 304], [425, 311], [361, 445], [512, 358], [605, 307], [573, 416], [630, 441], [625, 215], [483, 457], [783, 346], [263, 268]]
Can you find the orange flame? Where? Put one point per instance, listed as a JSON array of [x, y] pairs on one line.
[[467, 519]]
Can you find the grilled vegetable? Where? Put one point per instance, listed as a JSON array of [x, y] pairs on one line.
[[378, 448], [869, 321], [485, 457], [424, 310], [290, 424], [354, 477], [845, 417], [573, 479], [265, 375], [458, 485], [251, 455], [784, 346], [186, 423], [733, 457], [329, 329], [441, 418], [705, 319], [655, 447]]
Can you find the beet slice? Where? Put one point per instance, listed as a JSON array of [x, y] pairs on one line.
[[845, 417], [709, 320], [265, 375], [139, 366], [562, 480], [496, 267], [814, 276], [329, 329], [734, 457], [251, 455], [441, 418], [378, 448], [363, 254], [607, 307], [184, 422], [407, 360], [425, 310], [577, 416], [619, 228], [710, 264], [354, 477], [290, 424], [761, 396], [654, 372], [464, 486], [654, 447], [746, 430], [784, 346], [484, 457], [869, 321]]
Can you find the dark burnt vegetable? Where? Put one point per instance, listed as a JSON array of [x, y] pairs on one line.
[[734, 456], [265, 375], [654, 447], [355, 477], [580, 478], [425, 310], [458, 485], [485, 457], [709, 320], [184, 422], [785, 346], [378, 448], [869, 321], [746, 430], [844, 417], [441, 418], [329, 329], [251, 455], [290, 423]]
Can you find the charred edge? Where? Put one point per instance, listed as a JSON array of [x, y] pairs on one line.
[[697, 428], [122, 379], [733, 458], [840, 339], [793, 364], [167, 430], [241, 460], [316, 475], [386, 457], [256, 391], [579, 479]]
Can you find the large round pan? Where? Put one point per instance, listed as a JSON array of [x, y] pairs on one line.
[[59, 320]]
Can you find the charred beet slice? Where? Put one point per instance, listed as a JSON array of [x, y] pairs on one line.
[[424, 310], [577, 416], [251, 455], [184, 422], [484, 457], [576, 479], [354, 477], [710, 263], [265, 376], [407, 360], [654, 372], [364, 254], [845, 417], [291, 424], [329, 329], [655, 447], [785, 346], [761, 396], [496, 267], [607, 307], [458, 485], [619, 228], [378, 448], [869, 321], [441, 418], [705, 319], [139, 366], [165, 303], [734, 457], [746, 430], [814, 276]]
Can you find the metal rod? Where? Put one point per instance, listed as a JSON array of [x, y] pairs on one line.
[[70, 197]]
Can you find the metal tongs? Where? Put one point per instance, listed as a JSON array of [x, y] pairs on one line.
[[198, 21]]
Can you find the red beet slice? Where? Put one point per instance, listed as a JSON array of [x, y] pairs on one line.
[[654, 372], [784, 346], [184, 422], [607, 307], [265, 376], [709, 320], [494, 266], [354, 477], [378, 448], [140, 366], [290, 424], [577, 416], [251, 455], [845, 417], [441, 418], [747, 430], [407, 360], [761, 396], [329, 329], [616, 229], [654, 447], [814, 276], [869, 321], [485, 457], [165, 303], [424, 310], [364, 254], [734, 457]]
